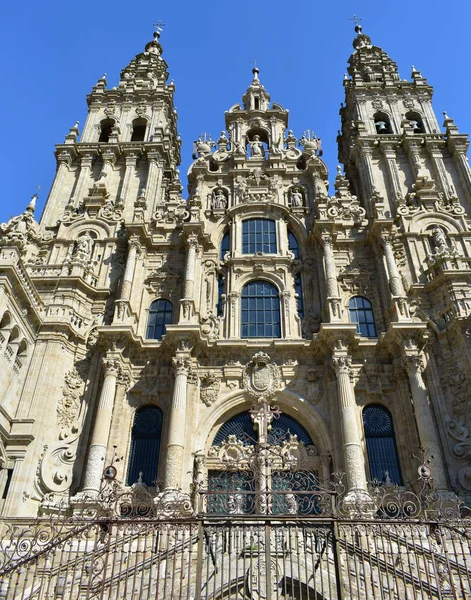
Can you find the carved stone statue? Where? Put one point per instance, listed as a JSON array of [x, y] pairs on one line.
[[439, 238], [218, 200], [256, 147], [296, 198], [85, 245]]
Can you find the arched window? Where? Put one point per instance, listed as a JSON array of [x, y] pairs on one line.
[[139, 127], [298, 288], [381, 444], [260, 311], [258, 235], [293, 245], [221, 286], [160, 315], [106, 127], [382, 123], [225, 244], [361, 313], [145, 445], [416, 122]]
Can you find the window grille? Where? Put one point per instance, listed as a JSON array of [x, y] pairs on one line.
[[145, 445], [361, 313], [260, 311], [160, 315], [381, 444], [258, 235]]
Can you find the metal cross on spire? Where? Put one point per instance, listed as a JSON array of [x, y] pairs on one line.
[[158, 26], [356, 20]]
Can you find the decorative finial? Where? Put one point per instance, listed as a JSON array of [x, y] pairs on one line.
[[32, 203], [158, 28], [414, 70], [255, 70], [356, 20], [76, 125]]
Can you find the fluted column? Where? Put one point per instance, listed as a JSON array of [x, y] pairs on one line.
[[190, 267], [393, 273], [130, 161], [390, 156], [83, 178], [366, 153], [352, 447], [154, 180], [414, 365], [176, 429], [101, 428], [133, 251], [333, 299]]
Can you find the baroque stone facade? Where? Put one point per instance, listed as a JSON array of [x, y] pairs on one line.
[[78, 357]]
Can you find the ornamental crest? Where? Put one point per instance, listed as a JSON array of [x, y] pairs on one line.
[[261, 378], [209, 388]]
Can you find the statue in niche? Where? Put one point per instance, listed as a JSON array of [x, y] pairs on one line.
[[439, 238], [218, 200], [85, 245], [256, 147], [296, 198]]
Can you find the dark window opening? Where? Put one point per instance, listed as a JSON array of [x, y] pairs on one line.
[[259, 235], [415, 122], [145, 445], [220, 307], [260, 311], [225, 244], [381, 444], [106, 127], [139, 127], [160, 315], [298, 286], [361, 313], [6, 488], [293, 245], [382, 123], [257, 103]]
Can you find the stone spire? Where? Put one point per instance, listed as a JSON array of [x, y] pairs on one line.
[[256, 98]]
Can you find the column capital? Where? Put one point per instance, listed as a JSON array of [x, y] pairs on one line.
[[342, 364], [181, 365], [413, 363], [134, 242], [192, 241], [326, 240], [111, 366]]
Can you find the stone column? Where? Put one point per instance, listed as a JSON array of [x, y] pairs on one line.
[[461, 159], [190, 267], [366, 153], [83, 178], [414, 365], [437, 160], [176, 428], [52, 211], [333, 299], [130, 161], [390, 156], [352, 447], [393, 273], [101, 428], [154, 180], [133, 251]]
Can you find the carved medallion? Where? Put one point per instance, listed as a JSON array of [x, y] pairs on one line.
[[261, 378]]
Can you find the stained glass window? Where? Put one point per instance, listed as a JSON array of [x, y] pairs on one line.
[[160, 315], [145, 445], [361, 313], [258, 235], [260, 311], [381, 444]]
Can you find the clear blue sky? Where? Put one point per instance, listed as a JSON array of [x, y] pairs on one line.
[[54, 52]]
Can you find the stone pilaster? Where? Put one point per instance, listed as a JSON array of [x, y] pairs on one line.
[[101, 428], [83, 178], [352, 447], [176, 429], [428, 435], [391, 164], [190, 267], [133, 251], [130, 161], [154, 180], [393, 273], [333, 300]]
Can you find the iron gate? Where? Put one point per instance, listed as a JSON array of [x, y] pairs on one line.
[[260, 558]]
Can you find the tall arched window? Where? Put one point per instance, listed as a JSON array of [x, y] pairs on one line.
[[258, 235], [139, 127], [160, 315], [381, 444], [260, 312], [361, 313], [298, 287], [225, 244], [221, 291], [145, 445], [106, 126], [293, 245]]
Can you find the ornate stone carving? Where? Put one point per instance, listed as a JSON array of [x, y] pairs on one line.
[[209, 388], [313, 387], [261, 377], [68, 405]]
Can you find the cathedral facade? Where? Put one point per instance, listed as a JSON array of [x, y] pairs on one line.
[[153, 341]]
